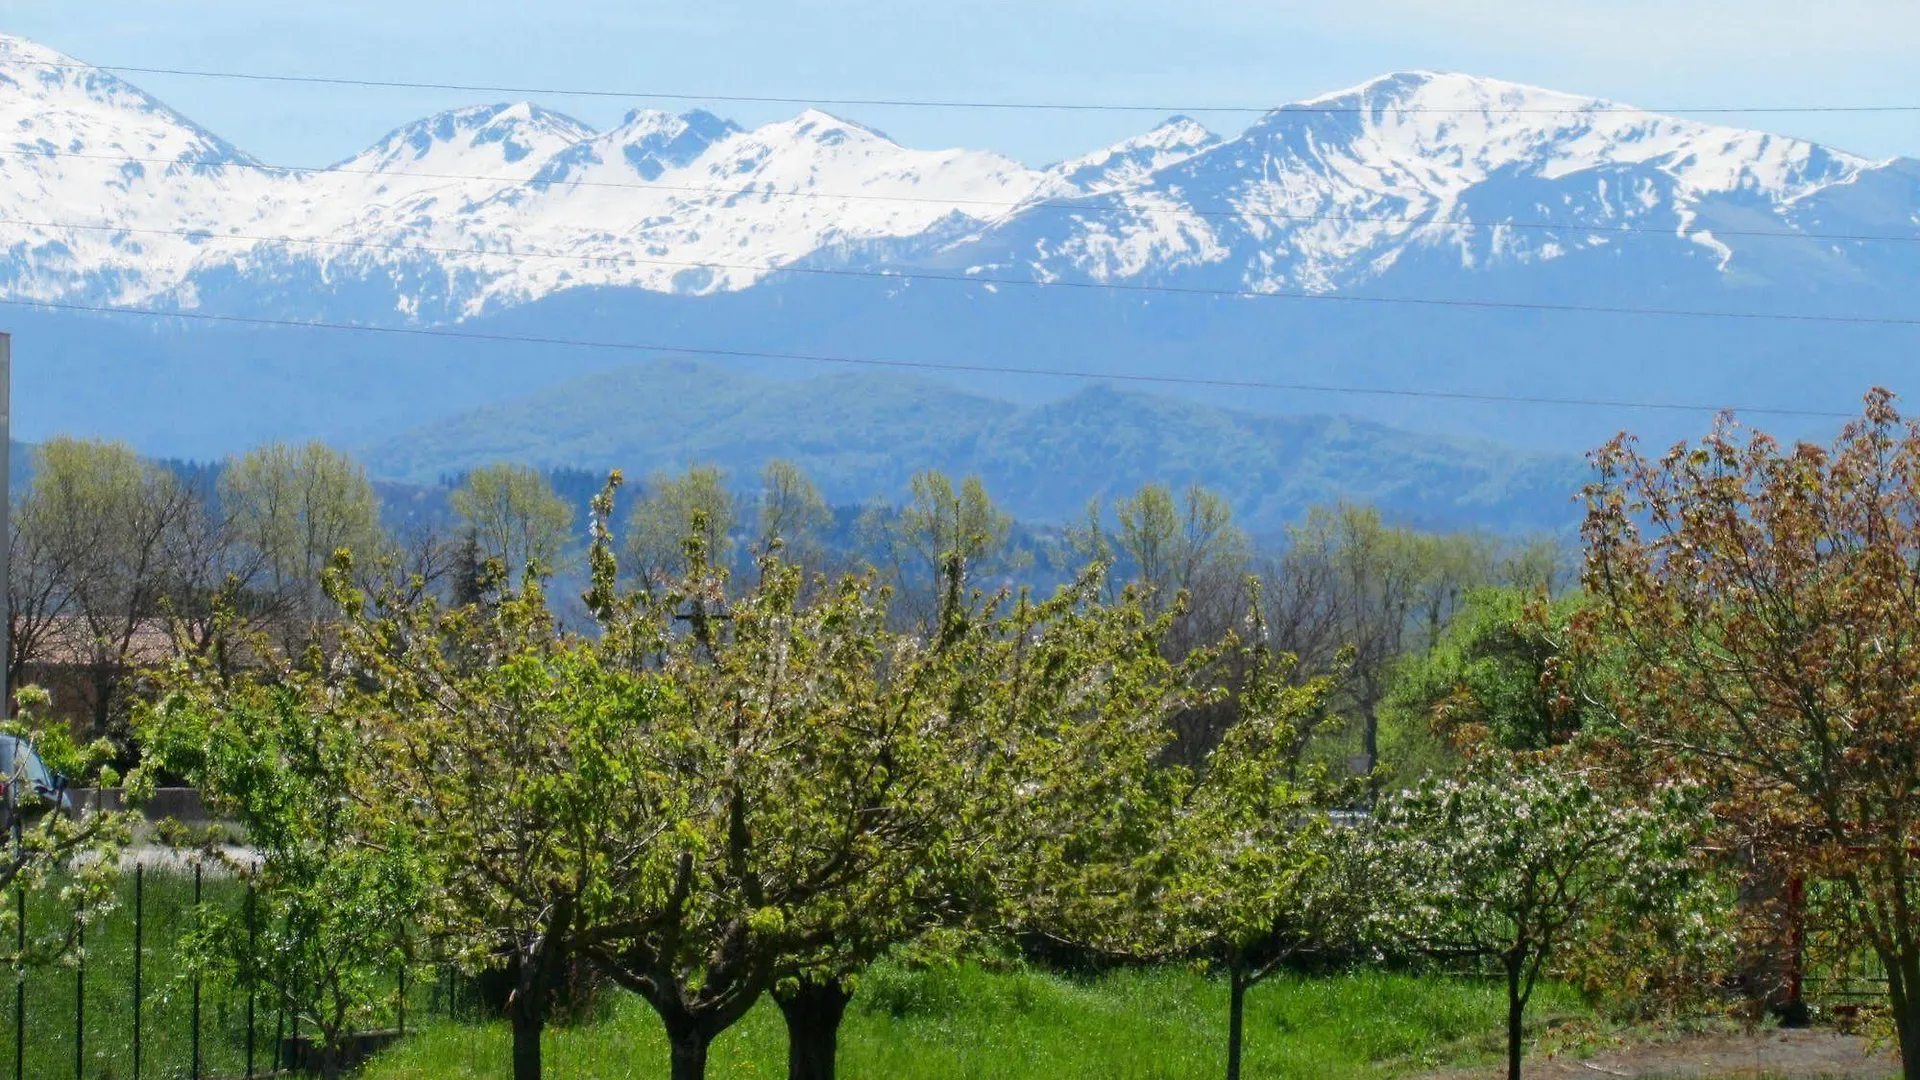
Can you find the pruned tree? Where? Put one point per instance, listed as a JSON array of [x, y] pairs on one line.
[[828, 766], [538, 778], [1764, 599], [336, 888], [1516, 863], [1255, 876]]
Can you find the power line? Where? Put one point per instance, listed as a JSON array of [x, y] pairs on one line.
[[922, 365], [981, 279], [925, 103], [994, 204]]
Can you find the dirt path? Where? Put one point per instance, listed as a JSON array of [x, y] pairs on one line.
[[1774, 1055]]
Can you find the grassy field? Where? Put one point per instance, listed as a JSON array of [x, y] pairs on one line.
[[968, 1024]]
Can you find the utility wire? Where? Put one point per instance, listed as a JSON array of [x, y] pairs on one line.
[[981, 279], [922, 365], [925, 103], [992, 204]]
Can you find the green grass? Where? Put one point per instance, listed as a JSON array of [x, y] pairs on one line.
[[969, 1024], [52, 991]]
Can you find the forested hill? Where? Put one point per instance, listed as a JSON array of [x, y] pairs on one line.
[[862, 436]]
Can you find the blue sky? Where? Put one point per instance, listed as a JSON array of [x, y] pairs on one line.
[[1650, 52]]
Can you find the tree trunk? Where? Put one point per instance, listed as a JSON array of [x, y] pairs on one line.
[[689, 1054], [527, 1026], [813, 1012], [1370, 747], [1236, 1017], [1516, 1014], [1903, 987]]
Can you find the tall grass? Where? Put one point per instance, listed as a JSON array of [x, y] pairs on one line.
[[970, 1024]]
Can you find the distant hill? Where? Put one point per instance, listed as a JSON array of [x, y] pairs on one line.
[[864, 435]]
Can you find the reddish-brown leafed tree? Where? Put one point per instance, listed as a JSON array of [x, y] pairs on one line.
[[1767, 602]]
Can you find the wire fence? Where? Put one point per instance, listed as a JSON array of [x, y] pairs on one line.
[[124, 1001]]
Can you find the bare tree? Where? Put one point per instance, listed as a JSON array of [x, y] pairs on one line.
[[99, 529]]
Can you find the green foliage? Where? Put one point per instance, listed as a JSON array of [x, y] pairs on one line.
[[1172, 544], [833, 769], [1084, 694], [515, 516], [53, 739], [542, 780], [672, 508], [945, 536], [1251, 883], [337, 884], [1522, 861], [294, 508], [72, 857], [791, 511], [1504, 674], [94, 533], [738, 783]]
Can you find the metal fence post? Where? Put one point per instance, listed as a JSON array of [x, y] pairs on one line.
[[253, 968], [79, 996], [196, 977], [20, 986], [139, 955]]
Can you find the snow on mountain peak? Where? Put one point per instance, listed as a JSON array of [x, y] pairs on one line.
[[18, 50], [506, 140], [91, 149], [1334, 191], [647, 143], [1131, 161], [1461, 129], [483, 207], [50, 100]]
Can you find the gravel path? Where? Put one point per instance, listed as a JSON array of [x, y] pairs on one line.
[[1774, 1055]]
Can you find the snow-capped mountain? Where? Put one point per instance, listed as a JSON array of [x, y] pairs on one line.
[[126, 161], [485, 208], [817, 235], [1334, 192], [454, 214]]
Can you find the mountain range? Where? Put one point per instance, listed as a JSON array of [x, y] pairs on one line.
[[859, 435], [1423, 231]]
